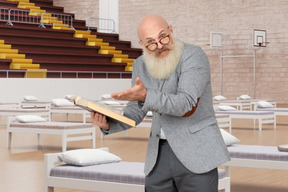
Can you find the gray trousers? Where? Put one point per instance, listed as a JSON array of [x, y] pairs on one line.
[[169, 175]]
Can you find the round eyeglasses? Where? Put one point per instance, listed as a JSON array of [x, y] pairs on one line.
[[163, 40]]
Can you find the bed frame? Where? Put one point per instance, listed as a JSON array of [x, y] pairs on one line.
[[84, 131], [239, 104], [70, 110], [34, 104], [224, 121], [33, 111], [257, 163], [277, 111], [254, 102], [53, 160], [263, 117]]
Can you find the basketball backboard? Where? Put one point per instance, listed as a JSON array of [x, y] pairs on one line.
[[259, 38]]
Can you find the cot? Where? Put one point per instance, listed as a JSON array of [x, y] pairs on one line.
[[256, 156], [224, 121], [239, 104], [120, 177], [70, 110], [32, 111], [34, 104], [9, 105], [83, 131], [254, 102], [277, 111], [263, 117]]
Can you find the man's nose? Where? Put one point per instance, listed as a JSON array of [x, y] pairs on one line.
[[159, 45]]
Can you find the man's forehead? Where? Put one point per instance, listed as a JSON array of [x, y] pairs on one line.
[[154, 35], [151, 26], [153, 31]]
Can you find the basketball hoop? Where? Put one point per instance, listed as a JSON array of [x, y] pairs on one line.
[[262, 44]]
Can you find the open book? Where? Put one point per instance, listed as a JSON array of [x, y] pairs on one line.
[[102, 108]]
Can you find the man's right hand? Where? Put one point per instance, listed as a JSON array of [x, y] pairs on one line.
[[100, 120]]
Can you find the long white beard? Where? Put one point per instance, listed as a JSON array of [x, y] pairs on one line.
[[162, 68]]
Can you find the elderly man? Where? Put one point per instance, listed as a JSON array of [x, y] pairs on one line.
[[172, 79]]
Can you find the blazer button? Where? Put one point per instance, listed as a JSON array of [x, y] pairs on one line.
[[157, 135]]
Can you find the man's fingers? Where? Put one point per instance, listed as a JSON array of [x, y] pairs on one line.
[[136, 93], [138, 81], [113, 95], [122, 95]]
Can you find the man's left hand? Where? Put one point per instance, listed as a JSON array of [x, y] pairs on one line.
[[136, 93]]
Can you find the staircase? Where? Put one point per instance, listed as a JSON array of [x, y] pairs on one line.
[[58, 48]]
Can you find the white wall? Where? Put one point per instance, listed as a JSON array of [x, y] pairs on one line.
[[13, 89]]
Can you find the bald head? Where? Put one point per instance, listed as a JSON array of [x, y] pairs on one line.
[[150, 26]]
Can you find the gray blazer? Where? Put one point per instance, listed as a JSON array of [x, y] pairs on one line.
[[196, 140]]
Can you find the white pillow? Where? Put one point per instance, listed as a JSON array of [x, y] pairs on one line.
[[29, 118], [219, 98], [106, 96], [228, 138], [68, 97], [283, 148], [245, 97], [264, 104], [149, 114], [30, 98], [86, 157], [225, 108], [112, 103], [62, 102]]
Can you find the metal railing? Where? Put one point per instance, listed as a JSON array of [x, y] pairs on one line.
[[60, 20], [35, 17], [23, 16], [106, 25], [63, 74], [4, 12]]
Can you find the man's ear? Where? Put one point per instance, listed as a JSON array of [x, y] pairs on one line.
[[140, 42], [171, 28]]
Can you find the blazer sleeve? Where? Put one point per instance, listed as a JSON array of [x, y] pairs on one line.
[[133, 110]]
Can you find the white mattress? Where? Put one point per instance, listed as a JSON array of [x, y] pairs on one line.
[[257, 152], [245, 112], [273, 109], [122, 172]]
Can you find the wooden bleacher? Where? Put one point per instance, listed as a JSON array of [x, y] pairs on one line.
[[60, 50]]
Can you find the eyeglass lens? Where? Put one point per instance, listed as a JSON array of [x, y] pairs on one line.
[[153, 46]]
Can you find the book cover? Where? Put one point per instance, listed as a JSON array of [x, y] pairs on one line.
[[106, 110]]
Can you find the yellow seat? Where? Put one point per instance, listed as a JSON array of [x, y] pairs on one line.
[[26, 61], [36, 73], [11, 51], [108, 47], [122, 60], [24, 66], [128, 68], [12, 56], [101, 44], [101, 51]]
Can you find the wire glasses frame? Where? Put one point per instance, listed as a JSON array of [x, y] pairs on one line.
[[153, 46]]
